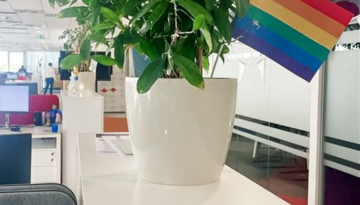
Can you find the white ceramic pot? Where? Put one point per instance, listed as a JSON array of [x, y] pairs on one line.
[[181, 134], [88, 79]]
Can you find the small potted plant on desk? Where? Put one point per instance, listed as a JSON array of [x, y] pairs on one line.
[[180, 123]]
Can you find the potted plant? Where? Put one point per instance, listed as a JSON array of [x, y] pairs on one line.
[[73, 38], [76, 40], [188, 144]]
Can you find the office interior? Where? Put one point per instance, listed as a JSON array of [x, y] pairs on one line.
[[297, 140]]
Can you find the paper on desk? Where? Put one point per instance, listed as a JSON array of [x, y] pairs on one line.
[[102, 146], [105, 142]]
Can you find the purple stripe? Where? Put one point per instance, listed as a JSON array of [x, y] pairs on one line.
[[274, 54]]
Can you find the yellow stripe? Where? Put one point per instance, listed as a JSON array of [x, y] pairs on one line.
[[297, 22]]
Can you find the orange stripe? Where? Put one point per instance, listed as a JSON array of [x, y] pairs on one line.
[[296, 22], [314, 16]]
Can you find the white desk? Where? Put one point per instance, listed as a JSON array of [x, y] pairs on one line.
[[45, 154], [110, 179]]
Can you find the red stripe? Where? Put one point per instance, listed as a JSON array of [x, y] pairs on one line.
[[332, 10]]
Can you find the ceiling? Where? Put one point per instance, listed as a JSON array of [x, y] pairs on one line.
[[31, 25]]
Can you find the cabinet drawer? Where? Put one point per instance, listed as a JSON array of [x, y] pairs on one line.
[[43, 174], [43, 158]]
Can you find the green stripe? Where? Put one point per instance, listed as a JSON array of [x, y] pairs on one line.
[[341, 161], [342, 143], [287, 32]]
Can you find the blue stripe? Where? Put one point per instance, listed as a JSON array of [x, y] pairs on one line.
[[279, 42], [274, 53]]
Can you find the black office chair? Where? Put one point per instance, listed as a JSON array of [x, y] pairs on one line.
[[15, 158]]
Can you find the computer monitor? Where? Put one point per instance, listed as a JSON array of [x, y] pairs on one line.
[[14, 99], [11, 76]]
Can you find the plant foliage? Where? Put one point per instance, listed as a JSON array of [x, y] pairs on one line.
[[177, 35]]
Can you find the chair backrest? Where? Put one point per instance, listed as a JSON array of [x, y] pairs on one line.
[[15, 158], [37, 194]]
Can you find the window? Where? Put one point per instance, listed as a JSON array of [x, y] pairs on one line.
[[16, 60], [4, 61]]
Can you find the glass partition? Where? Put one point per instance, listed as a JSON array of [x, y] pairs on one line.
[[342, 122], [270, 141]]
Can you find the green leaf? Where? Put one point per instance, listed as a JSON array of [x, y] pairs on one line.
[[96, 37], [86, 2], [196, 9], [148, 48], [70, 12], [143, 11], [104, 60], [158, 11], [186, 47], [223, 24], [105, 25], [94, 3], [129, 36], [225, 4], [207, 37], [62, 2], [52, 3], [70, 61], [73, 2], [199, 22], [205, 63], [119, 52], [85, 48], [242, 6], [189, 70], [209, 4], [151, 73], [110, 15]]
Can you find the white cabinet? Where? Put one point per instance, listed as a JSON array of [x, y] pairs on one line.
[[45, 154], [46, 157], [79, 114]]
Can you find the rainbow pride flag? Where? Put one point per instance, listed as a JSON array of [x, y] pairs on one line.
[[297, 34]]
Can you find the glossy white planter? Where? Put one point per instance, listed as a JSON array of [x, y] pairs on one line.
[[181, 134], [88, 79]]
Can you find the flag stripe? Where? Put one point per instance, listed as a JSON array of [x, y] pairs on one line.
[[287, 32], [297, 22], [332, 10], [275, 54], [277, 41], [314, 16]]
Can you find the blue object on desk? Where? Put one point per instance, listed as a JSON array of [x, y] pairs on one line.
[[54, 127]]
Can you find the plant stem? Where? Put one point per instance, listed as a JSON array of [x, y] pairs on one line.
[[216, 60]]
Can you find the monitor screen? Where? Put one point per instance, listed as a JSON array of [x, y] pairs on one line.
[[14, 98], [11, 76]]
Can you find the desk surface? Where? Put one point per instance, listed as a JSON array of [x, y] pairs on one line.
[[108, 178], [36, 131]]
